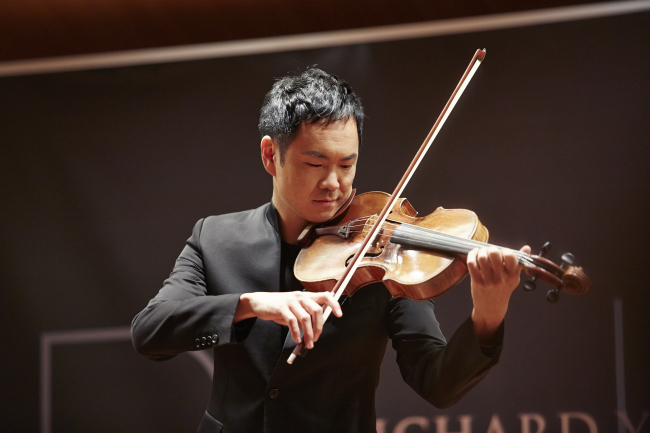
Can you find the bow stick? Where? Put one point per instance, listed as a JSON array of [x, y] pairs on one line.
[[342, 283]]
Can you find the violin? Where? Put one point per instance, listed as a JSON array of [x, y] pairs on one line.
[[378, 237], [415, 257]]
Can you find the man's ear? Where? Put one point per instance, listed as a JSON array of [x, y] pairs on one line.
[[270, 154]]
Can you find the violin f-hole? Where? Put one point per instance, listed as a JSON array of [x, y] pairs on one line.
[[374, 252]]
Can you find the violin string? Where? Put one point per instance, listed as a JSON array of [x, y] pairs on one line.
[[450, 241], [432, 238], [430, 234], [427, 234]]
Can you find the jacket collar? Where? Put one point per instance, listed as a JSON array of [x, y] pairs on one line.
[[273, 218]]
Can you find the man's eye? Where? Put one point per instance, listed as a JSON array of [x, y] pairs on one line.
[[314, 165], [346, 166]]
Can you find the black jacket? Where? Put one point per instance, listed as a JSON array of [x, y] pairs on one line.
[[333, 388]]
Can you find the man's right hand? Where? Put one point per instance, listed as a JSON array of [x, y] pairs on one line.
[[294, 309]]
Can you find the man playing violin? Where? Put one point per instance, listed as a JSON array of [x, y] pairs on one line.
[[233, 290]]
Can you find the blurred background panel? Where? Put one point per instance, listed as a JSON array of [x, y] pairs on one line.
[[104, 171]]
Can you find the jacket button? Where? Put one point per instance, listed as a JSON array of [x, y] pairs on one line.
[[274, 393]]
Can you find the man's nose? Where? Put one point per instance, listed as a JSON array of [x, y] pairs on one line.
[[331, 181]]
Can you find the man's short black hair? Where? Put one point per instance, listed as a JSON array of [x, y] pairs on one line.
[[311, 97]]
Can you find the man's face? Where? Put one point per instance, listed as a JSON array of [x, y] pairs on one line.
[[317, 174]]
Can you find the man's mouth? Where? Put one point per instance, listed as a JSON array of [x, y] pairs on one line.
[[326, 201]]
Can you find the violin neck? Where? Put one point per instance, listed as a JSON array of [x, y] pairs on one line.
[[418, 237]]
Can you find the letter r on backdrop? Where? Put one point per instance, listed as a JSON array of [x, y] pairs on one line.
[[566, 416]]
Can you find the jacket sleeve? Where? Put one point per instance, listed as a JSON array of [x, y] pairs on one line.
[[182, 316], [442, 373]]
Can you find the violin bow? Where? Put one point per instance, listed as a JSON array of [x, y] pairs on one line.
[[342, 283]]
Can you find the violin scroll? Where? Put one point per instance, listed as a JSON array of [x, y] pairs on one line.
[[575, 281], [567, 277]]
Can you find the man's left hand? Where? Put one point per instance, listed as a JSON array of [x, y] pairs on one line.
[[495, 275]]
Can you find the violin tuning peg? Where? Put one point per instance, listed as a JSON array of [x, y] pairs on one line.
[[530, 285], [568, 259], [553, 296], [545, 249]]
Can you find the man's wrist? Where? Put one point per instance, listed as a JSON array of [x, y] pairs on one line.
[[485, 329], [244, 310]]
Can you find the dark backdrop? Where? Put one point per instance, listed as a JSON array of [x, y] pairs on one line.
[[103, 174]]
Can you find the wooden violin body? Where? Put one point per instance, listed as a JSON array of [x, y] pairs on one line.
[[416, 257], [415, 272]]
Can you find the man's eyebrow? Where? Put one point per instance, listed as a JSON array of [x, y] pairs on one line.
[[320, 155], [315, 154]]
